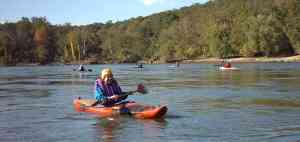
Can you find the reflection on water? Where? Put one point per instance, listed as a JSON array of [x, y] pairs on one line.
[[275, 102], [260, 102], [108, 129], [111, 129]]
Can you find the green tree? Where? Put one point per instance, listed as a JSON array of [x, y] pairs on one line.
[[8, 44]]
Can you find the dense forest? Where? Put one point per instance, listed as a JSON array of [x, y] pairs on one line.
[[218, 28]]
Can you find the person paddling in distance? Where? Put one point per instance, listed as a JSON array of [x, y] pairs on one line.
[[227, 65], [177, 64], [107, 90]]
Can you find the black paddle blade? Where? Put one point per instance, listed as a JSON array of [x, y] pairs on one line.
[[141, 89]]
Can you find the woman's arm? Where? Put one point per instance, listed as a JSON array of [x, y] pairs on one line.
[[99, 95]]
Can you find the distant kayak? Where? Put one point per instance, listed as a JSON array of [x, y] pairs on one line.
[[130, 108], [139, 67], [231, 68], [172, 66], [83, 71]]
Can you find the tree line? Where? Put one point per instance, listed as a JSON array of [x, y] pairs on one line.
[[219, 28]]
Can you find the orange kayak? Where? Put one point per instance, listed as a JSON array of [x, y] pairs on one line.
[[132, 108], [230, 68]]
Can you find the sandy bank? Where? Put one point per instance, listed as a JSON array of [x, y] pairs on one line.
[[247, 60]]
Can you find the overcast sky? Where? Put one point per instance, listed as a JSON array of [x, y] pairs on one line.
[[79, 12]]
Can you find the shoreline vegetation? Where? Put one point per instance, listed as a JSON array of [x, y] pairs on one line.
[[256, 30], [290, 59]]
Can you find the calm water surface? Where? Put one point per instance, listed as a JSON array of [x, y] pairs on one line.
[[260, 102]]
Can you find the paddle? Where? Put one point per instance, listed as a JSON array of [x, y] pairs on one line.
[[140, 89]]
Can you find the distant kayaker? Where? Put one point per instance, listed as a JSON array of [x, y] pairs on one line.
[[177, 64], [140, 65], [81, 68], [107, 90], [227, 65]]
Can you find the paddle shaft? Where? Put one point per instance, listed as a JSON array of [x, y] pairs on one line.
[[140, 88], [122, 95]]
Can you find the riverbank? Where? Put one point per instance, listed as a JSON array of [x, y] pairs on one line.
[[295, 58], [247, 60]]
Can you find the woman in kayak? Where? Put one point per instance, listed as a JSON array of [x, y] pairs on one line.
[[107, 90]]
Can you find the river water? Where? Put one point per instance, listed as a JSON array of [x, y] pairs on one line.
[[260, 102]]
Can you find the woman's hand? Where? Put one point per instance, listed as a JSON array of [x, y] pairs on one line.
[[114, 97]]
